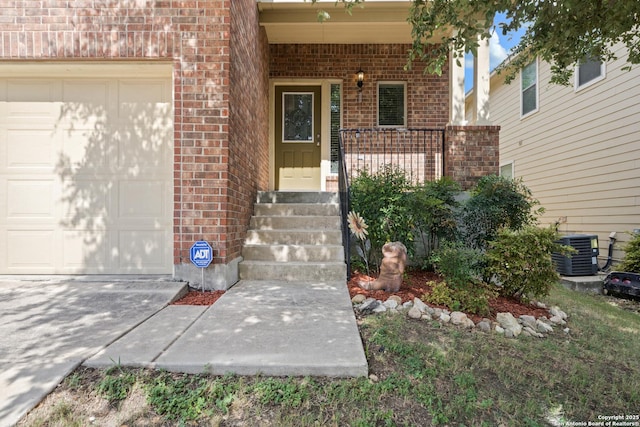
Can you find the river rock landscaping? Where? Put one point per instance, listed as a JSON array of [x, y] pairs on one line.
[[533, 320]]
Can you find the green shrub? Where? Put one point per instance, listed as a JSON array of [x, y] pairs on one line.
[[433, 207], [495, 203], [382, 199], [520, 261], [470, 297], [631, 261], [460, 265]]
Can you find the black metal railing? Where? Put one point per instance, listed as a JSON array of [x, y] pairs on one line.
[[418, 152], [345, 204]]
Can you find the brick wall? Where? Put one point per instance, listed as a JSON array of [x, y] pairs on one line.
[[249, 120], [471, 152], [427, 95], [195, 37]]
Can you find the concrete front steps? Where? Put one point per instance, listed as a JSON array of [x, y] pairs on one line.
[[294, 236]]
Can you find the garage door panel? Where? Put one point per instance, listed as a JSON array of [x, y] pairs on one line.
[[85, 151], [93, 93], [30, 199], [29, 98], [86, 202], [142, 199], [85, 251], [30, 251], [142, 133], [139, 248], [30, 148]]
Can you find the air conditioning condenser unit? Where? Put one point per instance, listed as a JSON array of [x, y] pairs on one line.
[[584, 262]]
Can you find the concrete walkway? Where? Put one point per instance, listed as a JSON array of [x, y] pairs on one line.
[[261, 327], [49, 326]]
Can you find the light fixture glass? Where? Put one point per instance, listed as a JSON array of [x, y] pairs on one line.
[[360, 78]]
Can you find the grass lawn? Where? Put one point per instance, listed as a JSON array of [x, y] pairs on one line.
[[423, 374]]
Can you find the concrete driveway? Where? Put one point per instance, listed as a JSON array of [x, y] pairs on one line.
[[49, 325]]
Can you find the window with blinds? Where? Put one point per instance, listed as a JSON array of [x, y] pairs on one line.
[[392, 104]]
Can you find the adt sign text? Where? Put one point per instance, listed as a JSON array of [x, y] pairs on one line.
[[201, 254]]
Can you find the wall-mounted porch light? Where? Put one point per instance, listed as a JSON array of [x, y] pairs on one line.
[[360, 82], [360, 78]]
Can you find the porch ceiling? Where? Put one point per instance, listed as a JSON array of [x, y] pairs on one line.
[[296, 21]]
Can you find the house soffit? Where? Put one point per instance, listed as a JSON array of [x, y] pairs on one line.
[[378, 22]]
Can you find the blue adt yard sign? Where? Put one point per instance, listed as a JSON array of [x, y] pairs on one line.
[[201, 254]]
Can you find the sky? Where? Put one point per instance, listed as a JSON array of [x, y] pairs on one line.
[[499, 47]]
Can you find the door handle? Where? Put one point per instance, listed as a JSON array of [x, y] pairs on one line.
[[318, 140]]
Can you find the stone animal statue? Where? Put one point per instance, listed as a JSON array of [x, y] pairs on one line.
[[391, 269]]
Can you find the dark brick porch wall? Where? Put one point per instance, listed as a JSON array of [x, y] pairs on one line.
[[427, 95], [215, 174], [471, 152]]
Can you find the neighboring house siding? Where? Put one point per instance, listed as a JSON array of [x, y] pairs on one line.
[[580, 152]]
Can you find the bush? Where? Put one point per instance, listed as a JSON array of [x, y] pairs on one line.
[[631, 261], [382, 200], [460, 265], [495, 203], [520, 261], [433, 207], [471, 297]]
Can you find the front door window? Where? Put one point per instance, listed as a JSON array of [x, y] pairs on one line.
[[297, 117]]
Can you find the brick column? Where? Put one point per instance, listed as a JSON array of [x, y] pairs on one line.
[[471, 152]]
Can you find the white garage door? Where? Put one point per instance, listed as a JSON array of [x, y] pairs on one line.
[[86, 169]]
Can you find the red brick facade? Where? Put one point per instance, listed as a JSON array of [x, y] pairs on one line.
[[427, 95], [249, 120], [216, 173], [222, 65], [471, 152]]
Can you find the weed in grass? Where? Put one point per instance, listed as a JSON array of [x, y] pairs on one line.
[[116, 384], [286, 392], [73, 381], [396, 384], [181, 398]]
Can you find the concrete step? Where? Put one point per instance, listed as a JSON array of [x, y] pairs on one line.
[[298, 197], [293, 253], [293, 271], [300, 222], [297, 209], [293, 237]]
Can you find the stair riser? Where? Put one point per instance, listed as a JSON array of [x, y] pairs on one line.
[[296, 209], [293, 272], [293, 237], [297, 197], [295, 223], [293, 253]]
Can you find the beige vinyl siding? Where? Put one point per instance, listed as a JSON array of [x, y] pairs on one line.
[[580, 152]]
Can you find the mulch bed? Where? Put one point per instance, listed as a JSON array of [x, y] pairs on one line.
[[414, 286], [194, 297]]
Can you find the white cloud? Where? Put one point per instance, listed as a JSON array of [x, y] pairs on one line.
[[497, 52]]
